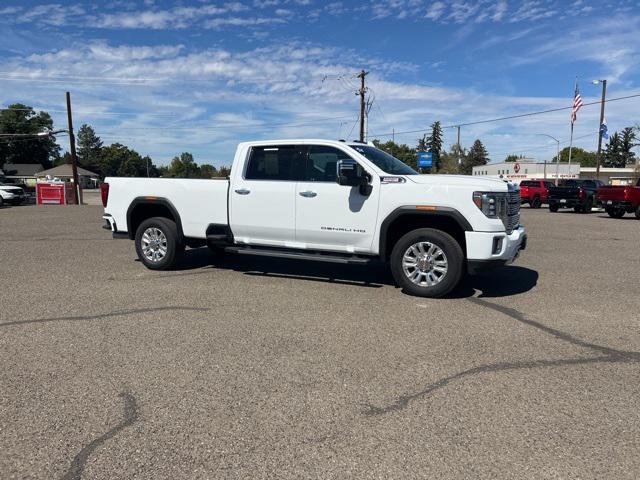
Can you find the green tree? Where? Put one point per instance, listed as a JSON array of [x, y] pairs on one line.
[[223, 171], [433, 143], [184, 166], [208, 171], [513, 158], [450, 160], [120, 160], [613, 155], [22, 119], [627, 143], [402, 152], [578, 156], [89, 147], [477, 156]]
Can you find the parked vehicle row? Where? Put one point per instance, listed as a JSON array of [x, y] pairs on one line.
[[582, 195]]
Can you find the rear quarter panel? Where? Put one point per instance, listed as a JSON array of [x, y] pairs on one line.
[[198, 202]]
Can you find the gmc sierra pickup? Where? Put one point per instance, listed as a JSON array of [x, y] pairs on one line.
[[330, 201]]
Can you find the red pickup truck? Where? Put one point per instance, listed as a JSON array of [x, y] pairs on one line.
[[534, 192], [621, 199]]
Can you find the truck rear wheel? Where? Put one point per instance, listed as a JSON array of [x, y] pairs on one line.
[[535, 203], [427, 263], [616, 212], [553, 208], [637, 213], [157, 243]]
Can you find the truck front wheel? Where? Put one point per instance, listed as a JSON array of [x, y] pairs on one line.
[[427, 263], [157, 243], [615, 212]]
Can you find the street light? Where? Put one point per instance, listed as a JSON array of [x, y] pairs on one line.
[[557, 158], [604, 93]]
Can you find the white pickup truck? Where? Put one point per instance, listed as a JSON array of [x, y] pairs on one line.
[[325, 200]]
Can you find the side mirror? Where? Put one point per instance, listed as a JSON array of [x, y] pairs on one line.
[[351, 174]]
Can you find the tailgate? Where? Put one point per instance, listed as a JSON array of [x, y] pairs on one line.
[[611, 193], [564, 192]]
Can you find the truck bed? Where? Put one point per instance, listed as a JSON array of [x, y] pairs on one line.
[[200, 202]]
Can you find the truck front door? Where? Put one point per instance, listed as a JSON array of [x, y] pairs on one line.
[[330, 216]]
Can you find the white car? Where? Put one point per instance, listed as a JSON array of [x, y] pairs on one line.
[[329, 201], [11, 194]]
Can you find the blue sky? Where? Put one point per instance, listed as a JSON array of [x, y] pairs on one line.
[[200, 76]]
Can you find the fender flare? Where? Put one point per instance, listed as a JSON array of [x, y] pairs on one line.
[[153, 201], [412, 210]]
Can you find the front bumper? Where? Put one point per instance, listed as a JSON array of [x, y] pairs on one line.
[[489, 249]]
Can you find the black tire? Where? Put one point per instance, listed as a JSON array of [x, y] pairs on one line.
[[637, 212], [578, 209], [616, 212], [588, 206], [553, 208], [174, 248], [453, 256], [535, 203], [1, 201]]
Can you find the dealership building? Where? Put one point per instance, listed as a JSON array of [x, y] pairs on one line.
[[525, 169]]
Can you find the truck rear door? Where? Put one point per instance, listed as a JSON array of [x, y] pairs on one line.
[[262, 195]]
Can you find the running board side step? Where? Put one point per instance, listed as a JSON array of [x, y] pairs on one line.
[[315, 256]]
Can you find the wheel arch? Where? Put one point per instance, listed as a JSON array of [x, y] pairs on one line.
[[404, 219], [142, 208]]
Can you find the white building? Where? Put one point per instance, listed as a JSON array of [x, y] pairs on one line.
[[528, 169]]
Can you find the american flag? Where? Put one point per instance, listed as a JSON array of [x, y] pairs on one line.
[[577, 103]]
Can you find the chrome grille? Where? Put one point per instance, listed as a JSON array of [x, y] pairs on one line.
[[512, 219]]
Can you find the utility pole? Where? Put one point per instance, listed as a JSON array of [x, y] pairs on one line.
[[361, 92], [604, 93], [72, 144], [459, 148]]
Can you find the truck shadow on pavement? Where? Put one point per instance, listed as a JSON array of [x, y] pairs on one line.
[[602, 354], [501, 282]]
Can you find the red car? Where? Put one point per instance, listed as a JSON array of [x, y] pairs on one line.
[[620, 199], [534, 192]]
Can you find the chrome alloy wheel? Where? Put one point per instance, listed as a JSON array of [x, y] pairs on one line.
[[154, 244], [425, 264]]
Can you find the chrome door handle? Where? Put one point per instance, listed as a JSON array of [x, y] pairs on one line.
[[243, 191], [308, 194]]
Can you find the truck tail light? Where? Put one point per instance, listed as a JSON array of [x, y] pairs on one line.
[[104, 193], [581, 193]]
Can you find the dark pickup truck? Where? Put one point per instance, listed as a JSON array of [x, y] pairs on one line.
[[620, 199], [581, 195]]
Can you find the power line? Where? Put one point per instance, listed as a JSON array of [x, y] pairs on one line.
[[510, 117]]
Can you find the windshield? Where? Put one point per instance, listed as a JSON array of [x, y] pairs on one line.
[[385, 162]]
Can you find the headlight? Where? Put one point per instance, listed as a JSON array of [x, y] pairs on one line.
[[492, 204]]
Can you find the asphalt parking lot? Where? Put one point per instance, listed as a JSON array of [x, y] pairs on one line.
[[263, 368]]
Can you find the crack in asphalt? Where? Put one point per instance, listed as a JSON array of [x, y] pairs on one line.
[[104, 315], [130, 416], [611, 355]]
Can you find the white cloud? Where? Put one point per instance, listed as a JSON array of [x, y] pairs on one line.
[[435, 10]]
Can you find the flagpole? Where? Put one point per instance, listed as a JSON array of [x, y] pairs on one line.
[[570, 148]]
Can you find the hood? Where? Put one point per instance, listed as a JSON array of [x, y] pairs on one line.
[[475, 183], [8, 188]]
